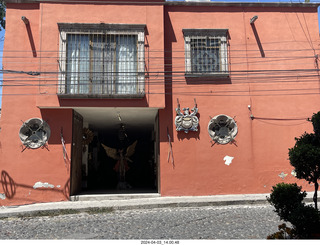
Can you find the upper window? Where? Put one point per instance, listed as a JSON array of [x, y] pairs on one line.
[[102, 59], [206, 52]]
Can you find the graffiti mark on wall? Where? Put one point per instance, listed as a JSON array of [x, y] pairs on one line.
[[2, 196]]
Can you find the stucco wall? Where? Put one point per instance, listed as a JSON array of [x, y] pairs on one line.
[[151, 16], [282, 46], [43, 174], [288, 39]]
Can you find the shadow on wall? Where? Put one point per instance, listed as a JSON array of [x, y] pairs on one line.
[[256, 35], [190, 135], [9, 186], [166, 115]]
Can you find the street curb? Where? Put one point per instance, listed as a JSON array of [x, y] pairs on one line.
[[96, 207], [111, 208]]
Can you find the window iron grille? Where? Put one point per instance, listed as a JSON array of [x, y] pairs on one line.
[[205, 55], [102, 60], [206, 52]]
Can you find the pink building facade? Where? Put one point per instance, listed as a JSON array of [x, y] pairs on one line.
[[170, 98]]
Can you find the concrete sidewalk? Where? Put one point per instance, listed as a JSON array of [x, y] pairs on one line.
[[104, 203]]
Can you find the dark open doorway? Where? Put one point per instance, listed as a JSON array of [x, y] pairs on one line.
[[103, 169], [140, 173]]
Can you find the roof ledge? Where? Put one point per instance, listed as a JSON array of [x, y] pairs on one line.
[[177, 3]]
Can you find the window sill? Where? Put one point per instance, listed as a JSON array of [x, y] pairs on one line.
[[207, 75], [101, 96]]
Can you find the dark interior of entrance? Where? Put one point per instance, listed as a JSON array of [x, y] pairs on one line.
[[138, 174]]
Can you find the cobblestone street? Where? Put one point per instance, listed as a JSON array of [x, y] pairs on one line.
[[229, 222]]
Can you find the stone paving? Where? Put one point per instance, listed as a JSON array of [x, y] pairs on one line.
[[225, 222]]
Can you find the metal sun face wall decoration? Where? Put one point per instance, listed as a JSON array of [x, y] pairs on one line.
[[187, 121], [222, 129], [34, 133]]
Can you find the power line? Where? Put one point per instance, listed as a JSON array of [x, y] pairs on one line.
[[257, 71]]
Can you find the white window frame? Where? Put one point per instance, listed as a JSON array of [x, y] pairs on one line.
[[102, 28], [221, 34]]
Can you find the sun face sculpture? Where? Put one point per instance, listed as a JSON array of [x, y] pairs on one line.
[[34, 133], [222, 129]]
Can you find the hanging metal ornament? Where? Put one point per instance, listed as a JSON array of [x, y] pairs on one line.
[[87, 136], [34, 133], [187, 121], [122, 134], [222, 129]]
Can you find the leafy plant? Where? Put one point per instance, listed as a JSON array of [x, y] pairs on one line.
[[306, 221], [305, 156], [2, 14], [285, 198]]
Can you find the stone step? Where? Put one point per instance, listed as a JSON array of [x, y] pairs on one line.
[[101, 197]]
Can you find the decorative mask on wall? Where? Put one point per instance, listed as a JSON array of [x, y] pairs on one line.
[[34, 133], [222, 129], [187, 121]]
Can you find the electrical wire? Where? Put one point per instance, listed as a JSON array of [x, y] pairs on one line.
[[168, 70]]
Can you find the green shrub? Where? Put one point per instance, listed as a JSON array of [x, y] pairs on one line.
[[287, 201], [285, 198], [305, 220], [305, 155]]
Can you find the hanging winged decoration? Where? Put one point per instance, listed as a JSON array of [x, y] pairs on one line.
[[123, 157], [111, 152]]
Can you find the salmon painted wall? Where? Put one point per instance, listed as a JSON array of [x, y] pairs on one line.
[[281, 39], [43, 175], [28, 175], [288, 38], [149, 15]]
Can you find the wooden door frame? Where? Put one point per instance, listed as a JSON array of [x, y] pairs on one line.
[[76, 154]]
